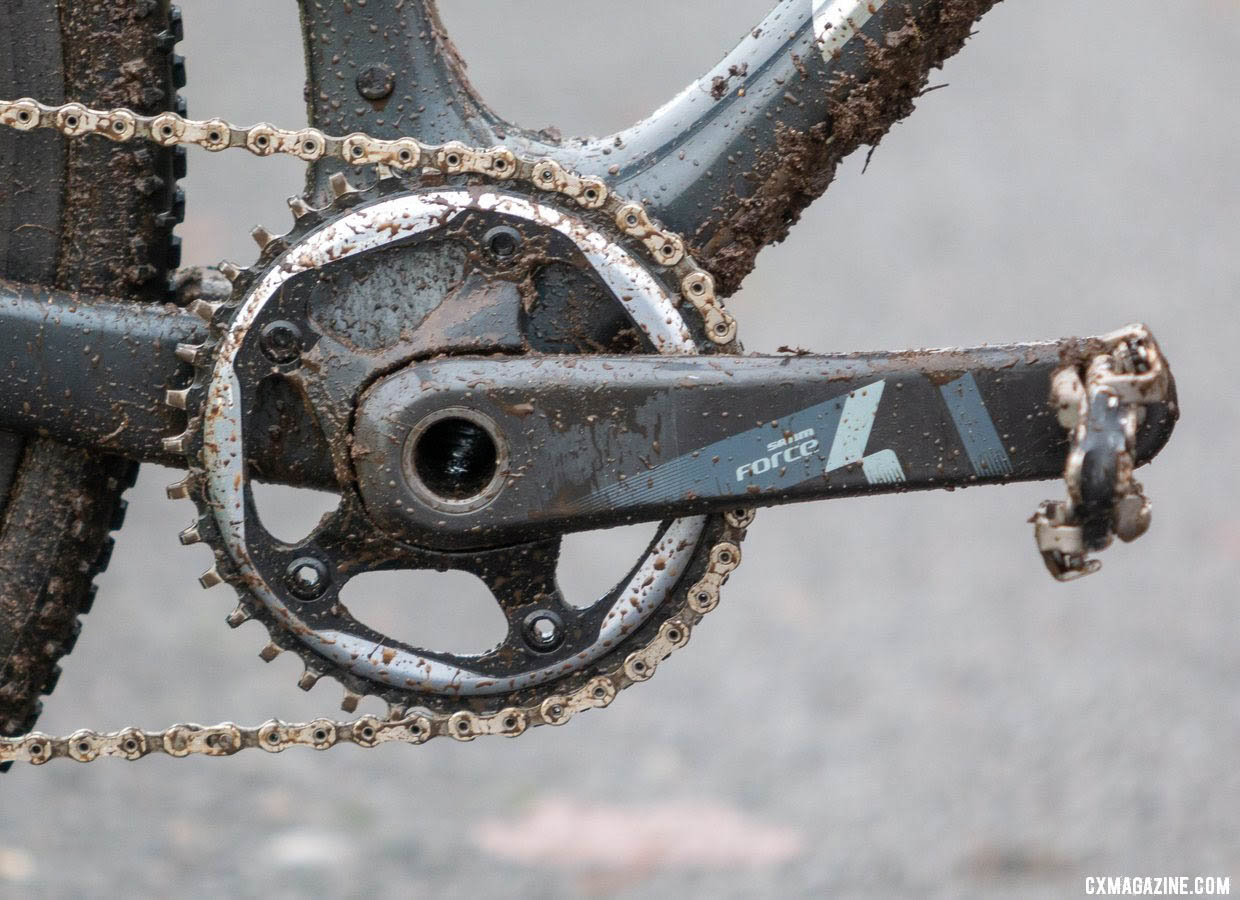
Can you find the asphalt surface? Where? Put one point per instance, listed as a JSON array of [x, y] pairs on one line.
[[893, 699]]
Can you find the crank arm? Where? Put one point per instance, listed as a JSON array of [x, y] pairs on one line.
[[467, 452]]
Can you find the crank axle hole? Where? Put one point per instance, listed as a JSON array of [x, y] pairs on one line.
[[455, 458]]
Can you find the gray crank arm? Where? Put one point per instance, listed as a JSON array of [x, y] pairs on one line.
[[466, 452]]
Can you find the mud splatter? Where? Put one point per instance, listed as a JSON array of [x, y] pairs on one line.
[[861, 111]]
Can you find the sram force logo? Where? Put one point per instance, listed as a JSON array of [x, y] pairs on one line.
[[786, 450], [845, 424]]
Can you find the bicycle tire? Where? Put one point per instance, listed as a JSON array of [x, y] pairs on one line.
[[87, 216]]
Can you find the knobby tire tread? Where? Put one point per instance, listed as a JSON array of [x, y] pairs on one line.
[[88, 216]]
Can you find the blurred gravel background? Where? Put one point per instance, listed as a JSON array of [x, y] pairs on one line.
[[894, 698]]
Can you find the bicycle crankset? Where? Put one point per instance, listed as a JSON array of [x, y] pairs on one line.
[[498, 352], [481, 371], [391, 280]]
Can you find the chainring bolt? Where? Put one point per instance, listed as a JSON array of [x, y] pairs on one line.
[[502, 241], [307, 577], [281, 342], [543, 630]]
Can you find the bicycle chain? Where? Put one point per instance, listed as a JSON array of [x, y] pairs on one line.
[[410, 155]]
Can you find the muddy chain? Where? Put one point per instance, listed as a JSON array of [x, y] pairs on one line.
[[410, 155], [274, 736]]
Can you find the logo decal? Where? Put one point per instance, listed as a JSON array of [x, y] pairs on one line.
[[752, 461], [975, 427], [786, 450], [852, 433]]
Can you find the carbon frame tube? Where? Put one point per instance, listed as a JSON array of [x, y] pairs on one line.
[[93, 372], [729, 161]]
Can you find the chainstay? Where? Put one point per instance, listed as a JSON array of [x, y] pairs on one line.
[[409, 155]]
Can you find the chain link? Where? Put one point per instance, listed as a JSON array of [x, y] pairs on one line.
[[408, 155]]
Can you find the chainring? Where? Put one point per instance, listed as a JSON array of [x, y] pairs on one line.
[[412, 236]]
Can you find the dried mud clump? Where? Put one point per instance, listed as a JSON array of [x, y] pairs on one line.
[[861, 109]]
